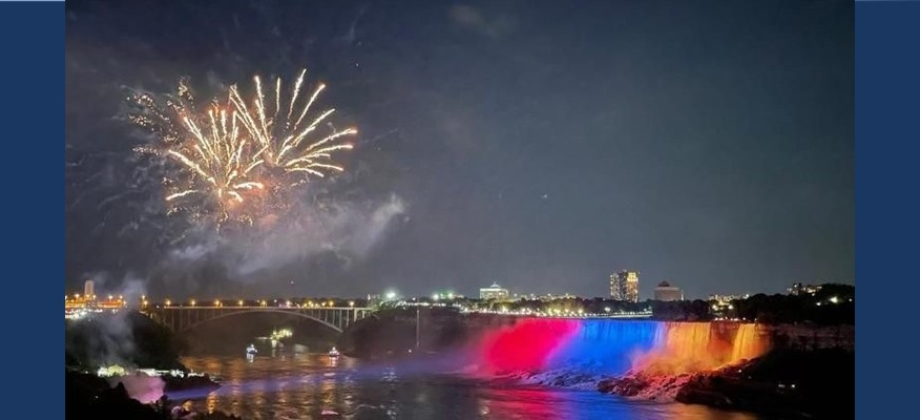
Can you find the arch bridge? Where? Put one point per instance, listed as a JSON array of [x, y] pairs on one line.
[[183, 318]]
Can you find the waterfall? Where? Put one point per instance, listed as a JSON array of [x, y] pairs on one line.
[[526, 345], [605, 346], [615, 347], [747, 343]]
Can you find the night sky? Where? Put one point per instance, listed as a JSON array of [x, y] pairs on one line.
[[535, 144]]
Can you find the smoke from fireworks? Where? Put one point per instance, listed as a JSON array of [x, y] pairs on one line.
[[238, 162]]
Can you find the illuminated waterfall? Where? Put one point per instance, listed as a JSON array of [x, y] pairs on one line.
[[747, 343], [614, 347]]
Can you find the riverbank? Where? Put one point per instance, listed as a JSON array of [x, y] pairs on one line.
[[789, 383], [91, 397]]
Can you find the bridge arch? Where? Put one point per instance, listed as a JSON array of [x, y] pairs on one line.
[[186, 328]]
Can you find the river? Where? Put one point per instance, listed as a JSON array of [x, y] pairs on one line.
[[300, 386]]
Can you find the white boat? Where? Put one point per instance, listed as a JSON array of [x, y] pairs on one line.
[[334, 353], [251, 350]]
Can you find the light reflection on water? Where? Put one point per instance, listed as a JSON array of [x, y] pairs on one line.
[[302, 386]]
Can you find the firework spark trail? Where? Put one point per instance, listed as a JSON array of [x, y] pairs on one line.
[[279, 130], [222, 160], [216, 159], [239, 160]]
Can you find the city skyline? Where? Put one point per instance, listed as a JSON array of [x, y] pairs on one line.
[[709, 145], [495, 290]]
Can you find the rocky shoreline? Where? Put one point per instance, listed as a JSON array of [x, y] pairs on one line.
[[788, 383], [793, 384]]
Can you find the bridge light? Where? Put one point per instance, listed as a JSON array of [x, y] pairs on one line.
[[351, 303], [168, 303], [193, 302], [216, 303], [240, 302]]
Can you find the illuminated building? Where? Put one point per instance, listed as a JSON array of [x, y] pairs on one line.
[[803, 289], [77, 306], [725, 300], [111, 302], [75, 302], [493, 292], [666, 293], [624, 285], [88, 290]]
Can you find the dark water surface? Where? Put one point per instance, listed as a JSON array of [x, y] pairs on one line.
[[301, 386]]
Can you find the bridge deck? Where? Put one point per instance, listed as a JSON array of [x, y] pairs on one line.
[[182, 318]]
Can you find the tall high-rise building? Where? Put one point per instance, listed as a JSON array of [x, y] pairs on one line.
[[88, 291], [617, 288], [667, 293], [624, 285]]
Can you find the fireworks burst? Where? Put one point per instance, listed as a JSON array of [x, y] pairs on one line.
[[233, 161], [286, 131]]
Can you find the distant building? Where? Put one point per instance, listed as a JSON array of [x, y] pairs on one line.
[[667, 293], [803, 289], [88, 289], [725, 300], [78, 306], [624, 285], [549, 297], [493, 292]]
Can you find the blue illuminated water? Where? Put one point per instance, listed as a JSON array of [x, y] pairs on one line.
[[606, 346]]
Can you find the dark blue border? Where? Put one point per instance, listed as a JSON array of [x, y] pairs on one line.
[[32, 133], [887, 158], [887, 210]]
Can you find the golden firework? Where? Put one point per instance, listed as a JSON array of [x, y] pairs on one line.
[[286, 131], [235, 161]]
